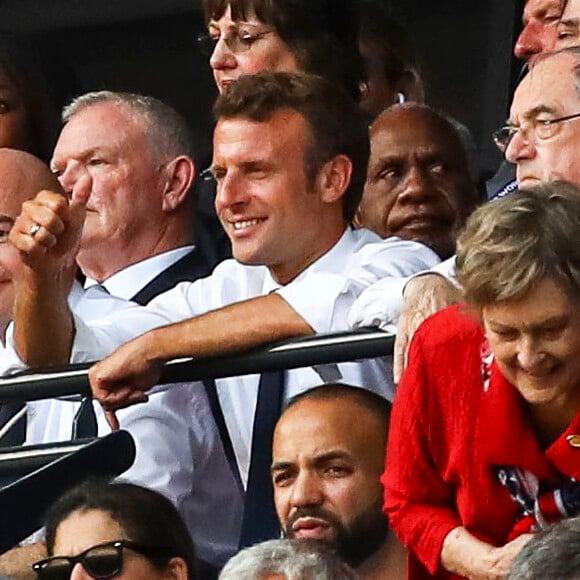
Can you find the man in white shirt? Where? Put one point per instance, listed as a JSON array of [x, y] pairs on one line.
[[290, 154], [136, 242]]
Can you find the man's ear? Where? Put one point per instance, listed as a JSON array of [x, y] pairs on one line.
[[177, 569], [334, 178], [178, 176]]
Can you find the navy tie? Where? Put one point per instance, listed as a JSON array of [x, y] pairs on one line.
[[85, 421], [260, 521]]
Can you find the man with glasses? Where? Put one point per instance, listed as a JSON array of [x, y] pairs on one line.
[[542, 138]]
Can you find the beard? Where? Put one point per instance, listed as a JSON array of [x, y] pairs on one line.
[[354, 542]]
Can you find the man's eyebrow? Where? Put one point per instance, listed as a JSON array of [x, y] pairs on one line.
[[316, 459], [539, 109], [571, 22], [330, 455], [279, 465], [6, 219]]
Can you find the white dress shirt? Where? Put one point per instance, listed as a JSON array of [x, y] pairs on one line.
[[381, 304], [179, 451], [322, 295]]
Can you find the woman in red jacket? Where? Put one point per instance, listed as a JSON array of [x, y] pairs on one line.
[[484, 446]]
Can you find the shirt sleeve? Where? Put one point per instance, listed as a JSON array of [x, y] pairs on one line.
[[324, 299], [382, 303], [419, 504], [169, 447]]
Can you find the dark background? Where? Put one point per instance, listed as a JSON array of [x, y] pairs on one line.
[[148, 46]]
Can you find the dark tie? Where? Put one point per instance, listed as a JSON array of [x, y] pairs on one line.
[[260, 521], [85, 422]]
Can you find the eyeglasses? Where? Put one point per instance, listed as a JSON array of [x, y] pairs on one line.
[[540, 128], [237, 41], [101, 561]]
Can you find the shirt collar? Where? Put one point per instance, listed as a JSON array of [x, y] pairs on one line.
[[128, 281]]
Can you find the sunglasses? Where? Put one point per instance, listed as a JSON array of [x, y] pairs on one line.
[[101, 561]]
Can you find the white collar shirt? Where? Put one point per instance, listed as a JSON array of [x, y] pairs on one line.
[[322, 295]]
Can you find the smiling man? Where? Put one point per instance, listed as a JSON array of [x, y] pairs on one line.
[[290, 154], [327, 461]]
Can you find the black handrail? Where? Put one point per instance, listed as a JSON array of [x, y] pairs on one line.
[[289, 354]]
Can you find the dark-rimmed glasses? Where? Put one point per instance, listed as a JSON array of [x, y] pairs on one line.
[[237, 40], [100, 561], [540, 128]]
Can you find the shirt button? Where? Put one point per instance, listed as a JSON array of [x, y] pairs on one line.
[[573, 441]]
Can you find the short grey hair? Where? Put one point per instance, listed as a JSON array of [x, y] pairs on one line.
[[552, 553], [167, 130], [295, 559]]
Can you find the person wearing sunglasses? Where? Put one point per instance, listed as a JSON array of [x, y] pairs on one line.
[[115, 530]]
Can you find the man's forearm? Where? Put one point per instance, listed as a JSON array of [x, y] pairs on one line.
[[43, 322], [233, 328]]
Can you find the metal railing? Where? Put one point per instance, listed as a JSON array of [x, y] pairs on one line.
[[289, 354]]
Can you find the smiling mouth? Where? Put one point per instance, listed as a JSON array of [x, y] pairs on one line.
[[243, 225]]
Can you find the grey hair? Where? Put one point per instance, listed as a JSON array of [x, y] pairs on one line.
[[295, 559], [510, 244], [552, 553], [166, 129]]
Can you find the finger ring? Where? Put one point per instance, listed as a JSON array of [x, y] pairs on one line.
[[34, 229]]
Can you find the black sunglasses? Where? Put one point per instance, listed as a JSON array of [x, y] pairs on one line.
[[101, 561]]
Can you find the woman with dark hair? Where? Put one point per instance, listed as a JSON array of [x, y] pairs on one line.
[[250, 36], [115, 530]]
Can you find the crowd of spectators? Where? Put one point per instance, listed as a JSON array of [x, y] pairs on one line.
[[340, 191]]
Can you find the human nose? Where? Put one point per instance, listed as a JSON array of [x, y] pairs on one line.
[[417, 186], [69, 177], [306, 491], [520, 146], [222, 56], [79, 573], [230, 191], [528, 353], [529, 41]]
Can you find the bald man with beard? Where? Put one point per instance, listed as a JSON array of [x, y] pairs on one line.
[[326, 464]]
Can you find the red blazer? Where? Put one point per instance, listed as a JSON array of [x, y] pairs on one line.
[[451, 425]]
